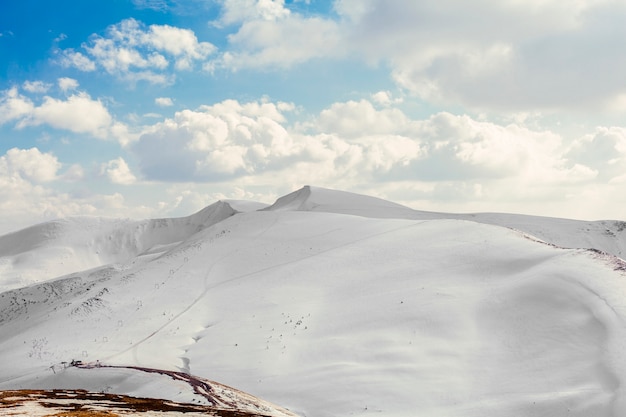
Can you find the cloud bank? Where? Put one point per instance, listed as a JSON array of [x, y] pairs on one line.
[[487, 55], [359, 144], [254, 149]]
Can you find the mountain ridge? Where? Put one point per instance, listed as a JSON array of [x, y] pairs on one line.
[[328, 312]]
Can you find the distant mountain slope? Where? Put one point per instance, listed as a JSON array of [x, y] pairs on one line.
[[327, 305], [332, 201], [60, 247], [606, 235]]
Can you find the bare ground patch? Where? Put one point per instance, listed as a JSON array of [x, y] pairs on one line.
[[80, 403]]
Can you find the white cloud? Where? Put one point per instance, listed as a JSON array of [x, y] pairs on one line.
[[496, 55], [445, 147], [475, 149], [27, 203], [603, 151], [71, 58], [67, 84], [116, 58], [79, 114], [163, 101], [134, 52], [29, 182], [353, 142], [148, 76], [36, 86], [271, 36], [237, 11], [385, 98], [490, 55], [14, 106], [355, 118], [118, 172], [29, 164], [180, 43], [212, 143], [121, 132], [74, 173]]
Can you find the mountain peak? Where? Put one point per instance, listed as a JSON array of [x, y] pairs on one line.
[[294, 201], [319, 199]]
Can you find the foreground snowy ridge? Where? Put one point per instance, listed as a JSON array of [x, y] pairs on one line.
[[327, 303]]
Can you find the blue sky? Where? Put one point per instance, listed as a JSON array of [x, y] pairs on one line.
[[153, 108]]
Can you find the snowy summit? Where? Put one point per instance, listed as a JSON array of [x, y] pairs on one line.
[[325, 303]]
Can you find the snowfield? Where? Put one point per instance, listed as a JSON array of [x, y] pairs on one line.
[[325, 303]]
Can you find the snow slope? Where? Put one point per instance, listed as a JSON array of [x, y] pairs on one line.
[[334, 304], [48, 250], [606, 235]]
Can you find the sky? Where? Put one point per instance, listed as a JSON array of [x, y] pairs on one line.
[[157, 108]]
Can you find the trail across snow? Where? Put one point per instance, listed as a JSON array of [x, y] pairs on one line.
[[334, 304], [215, 394]]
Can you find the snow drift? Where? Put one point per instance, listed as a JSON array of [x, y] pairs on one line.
[[331, 304]]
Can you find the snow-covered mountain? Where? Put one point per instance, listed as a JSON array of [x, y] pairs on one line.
[[326, 303]]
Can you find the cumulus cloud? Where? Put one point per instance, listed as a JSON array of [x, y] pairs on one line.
[[74, 173], [30, 164], [468, 149], [78, 113], [36, 86], [67, 84], [14, 106], [134, 52], [385, 99], [163, 101], [71, 58], [354, 118], [118, 172], [603, 151], [237, 11], [447, 147], [182, 44], [269, 35], [353, 142], [213, 142]]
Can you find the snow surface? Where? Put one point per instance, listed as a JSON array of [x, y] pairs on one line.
[[329, 304], [60, 247]]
